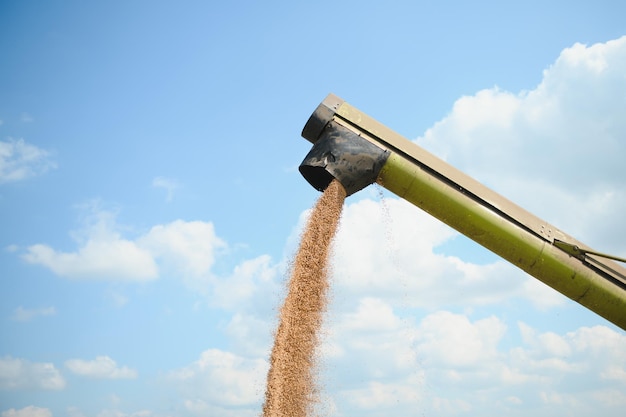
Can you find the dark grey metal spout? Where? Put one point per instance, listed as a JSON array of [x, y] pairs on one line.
[[342, 154]]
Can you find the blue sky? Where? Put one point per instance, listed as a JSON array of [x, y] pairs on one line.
[[150, 200]]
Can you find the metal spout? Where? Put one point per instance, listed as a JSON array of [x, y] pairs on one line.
[[341, 154]]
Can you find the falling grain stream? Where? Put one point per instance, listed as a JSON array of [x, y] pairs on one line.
[[291, 390]]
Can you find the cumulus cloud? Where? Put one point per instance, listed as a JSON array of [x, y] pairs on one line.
[[30, 411], [103, 253], [16, 373], [390, 248], [221, 382], [379, 360], [250, 333], [368, 361], [103, 367], [189, 246], [110, 258], [450, 340], [186, 250], [25, 314], [385, 395], [20, 160], [558, 149], [595, 350], [242, 286]]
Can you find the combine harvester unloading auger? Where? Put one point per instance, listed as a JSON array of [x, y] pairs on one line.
[[357, 150]]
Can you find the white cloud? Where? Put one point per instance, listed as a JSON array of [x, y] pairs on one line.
[[102, 253], [372, 314], [221, 381], [114, 258], [188, 248], [449, 363], [451, 340], [386, 395], [170, 185], [243, 285], [250, 333], [390, 248], [25, 314], [18, 373], [368, 360], [20, 160], [30, 411], [579, 367], [103, 367], [558, 149]]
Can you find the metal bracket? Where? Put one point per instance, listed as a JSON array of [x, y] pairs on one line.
[[578, 252]]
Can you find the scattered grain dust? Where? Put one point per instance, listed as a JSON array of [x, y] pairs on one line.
[[291, 388]]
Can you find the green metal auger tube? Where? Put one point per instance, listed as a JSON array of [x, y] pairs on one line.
[[357, 150]]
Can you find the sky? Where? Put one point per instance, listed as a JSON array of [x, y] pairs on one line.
[[150, 204]]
